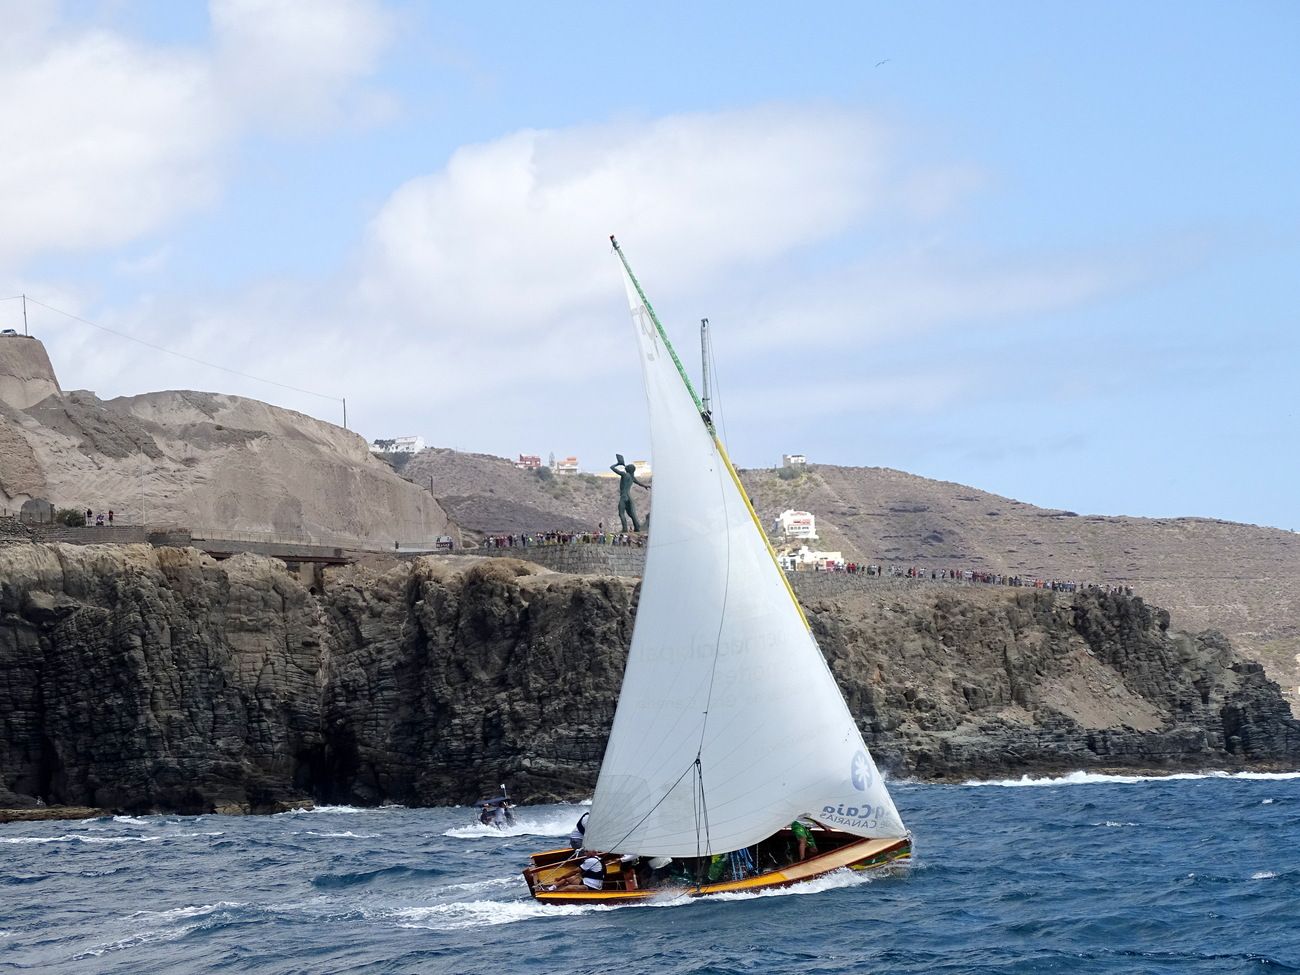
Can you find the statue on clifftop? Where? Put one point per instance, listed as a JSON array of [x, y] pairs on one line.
[[626, 478]]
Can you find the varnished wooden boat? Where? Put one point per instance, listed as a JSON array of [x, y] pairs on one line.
[[554, 878]]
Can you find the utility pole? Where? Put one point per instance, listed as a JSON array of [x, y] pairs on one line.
[[704, 362], [345, 412], [24, 314]]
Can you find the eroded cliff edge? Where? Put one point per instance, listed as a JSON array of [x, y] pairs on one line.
[[159, 679]]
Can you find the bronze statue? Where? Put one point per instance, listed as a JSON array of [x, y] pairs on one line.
[[626, 478]]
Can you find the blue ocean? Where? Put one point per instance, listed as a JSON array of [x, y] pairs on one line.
[[1081, 874]]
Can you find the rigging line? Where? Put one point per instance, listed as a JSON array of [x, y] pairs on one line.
[[696, 787], [637, 824], [704, 806], [181, 355], [13, 298]]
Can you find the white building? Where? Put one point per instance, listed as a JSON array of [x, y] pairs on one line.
[[797, 524], [794, 460], [397, 445], [805, 558], [567, 467]]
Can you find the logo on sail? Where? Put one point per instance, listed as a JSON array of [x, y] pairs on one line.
[[860, 771]]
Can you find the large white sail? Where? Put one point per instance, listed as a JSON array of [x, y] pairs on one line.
[[729, 724]]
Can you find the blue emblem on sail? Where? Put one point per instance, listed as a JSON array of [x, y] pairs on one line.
[[860, 771]]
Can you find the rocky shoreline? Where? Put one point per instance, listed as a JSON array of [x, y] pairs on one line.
[[144, 680]]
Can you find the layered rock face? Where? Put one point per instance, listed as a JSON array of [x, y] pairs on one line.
[[141, 678]]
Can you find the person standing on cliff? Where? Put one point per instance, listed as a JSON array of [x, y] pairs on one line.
[[626, 478]]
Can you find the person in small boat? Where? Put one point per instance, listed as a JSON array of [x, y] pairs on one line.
[[654, 872], [627, 869], [593, 873], [735, 865], [804, 838], [486, 814], [579, 832]]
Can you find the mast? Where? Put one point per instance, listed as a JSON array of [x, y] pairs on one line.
[[681, 371], [713, 433], [704, 364]]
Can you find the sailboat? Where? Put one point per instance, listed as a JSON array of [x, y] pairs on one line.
[[733, 763]]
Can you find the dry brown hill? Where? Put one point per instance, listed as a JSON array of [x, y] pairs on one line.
[[485, 494], [199, 460], [1210, 574]]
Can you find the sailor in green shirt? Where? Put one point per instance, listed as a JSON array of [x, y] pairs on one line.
[[803, 834]]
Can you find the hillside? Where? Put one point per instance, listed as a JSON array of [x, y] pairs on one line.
[[485, 494], [200, 460], [1210, 574]]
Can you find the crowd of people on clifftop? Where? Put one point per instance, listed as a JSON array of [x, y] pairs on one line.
[[969, 576], [536, 539]]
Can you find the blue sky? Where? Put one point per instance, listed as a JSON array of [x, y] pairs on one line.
[[1049, 250]]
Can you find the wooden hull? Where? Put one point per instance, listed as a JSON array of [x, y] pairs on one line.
[[558, 868]]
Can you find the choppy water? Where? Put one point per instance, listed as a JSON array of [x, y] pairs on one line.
[[1197, 874]]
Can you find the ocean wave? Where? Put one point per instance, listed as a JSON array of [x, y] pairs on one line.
[[79, 838], [487, 913], [556, 824], [1099, 778], [1114, 825], [135, 941], [332, 810], [361, 877], [511, 881], [835, 880], [1263, 875], [179, 913], [345, 835], [18, 879]]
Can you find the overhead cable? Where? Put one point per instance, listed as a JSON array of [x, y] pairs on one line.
[[182, 355]]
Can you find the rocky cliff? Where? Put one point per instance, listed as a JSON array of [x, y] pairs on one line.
[[1223, 575], [142, 678]]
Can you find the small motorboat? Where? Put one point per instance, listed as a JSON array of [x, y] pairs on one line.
[[497, 811]]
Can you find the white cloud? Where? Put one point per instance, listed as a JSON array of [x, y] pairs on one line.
[[108, 139], [485, 310], [509, 236], [298, 66], [104, 140]]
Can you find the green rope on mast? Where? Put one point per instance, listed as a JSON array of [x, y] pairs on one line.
[[708, 421]]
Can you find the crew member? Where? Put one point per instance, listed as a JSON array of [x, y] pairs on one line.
[[593, 873]]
